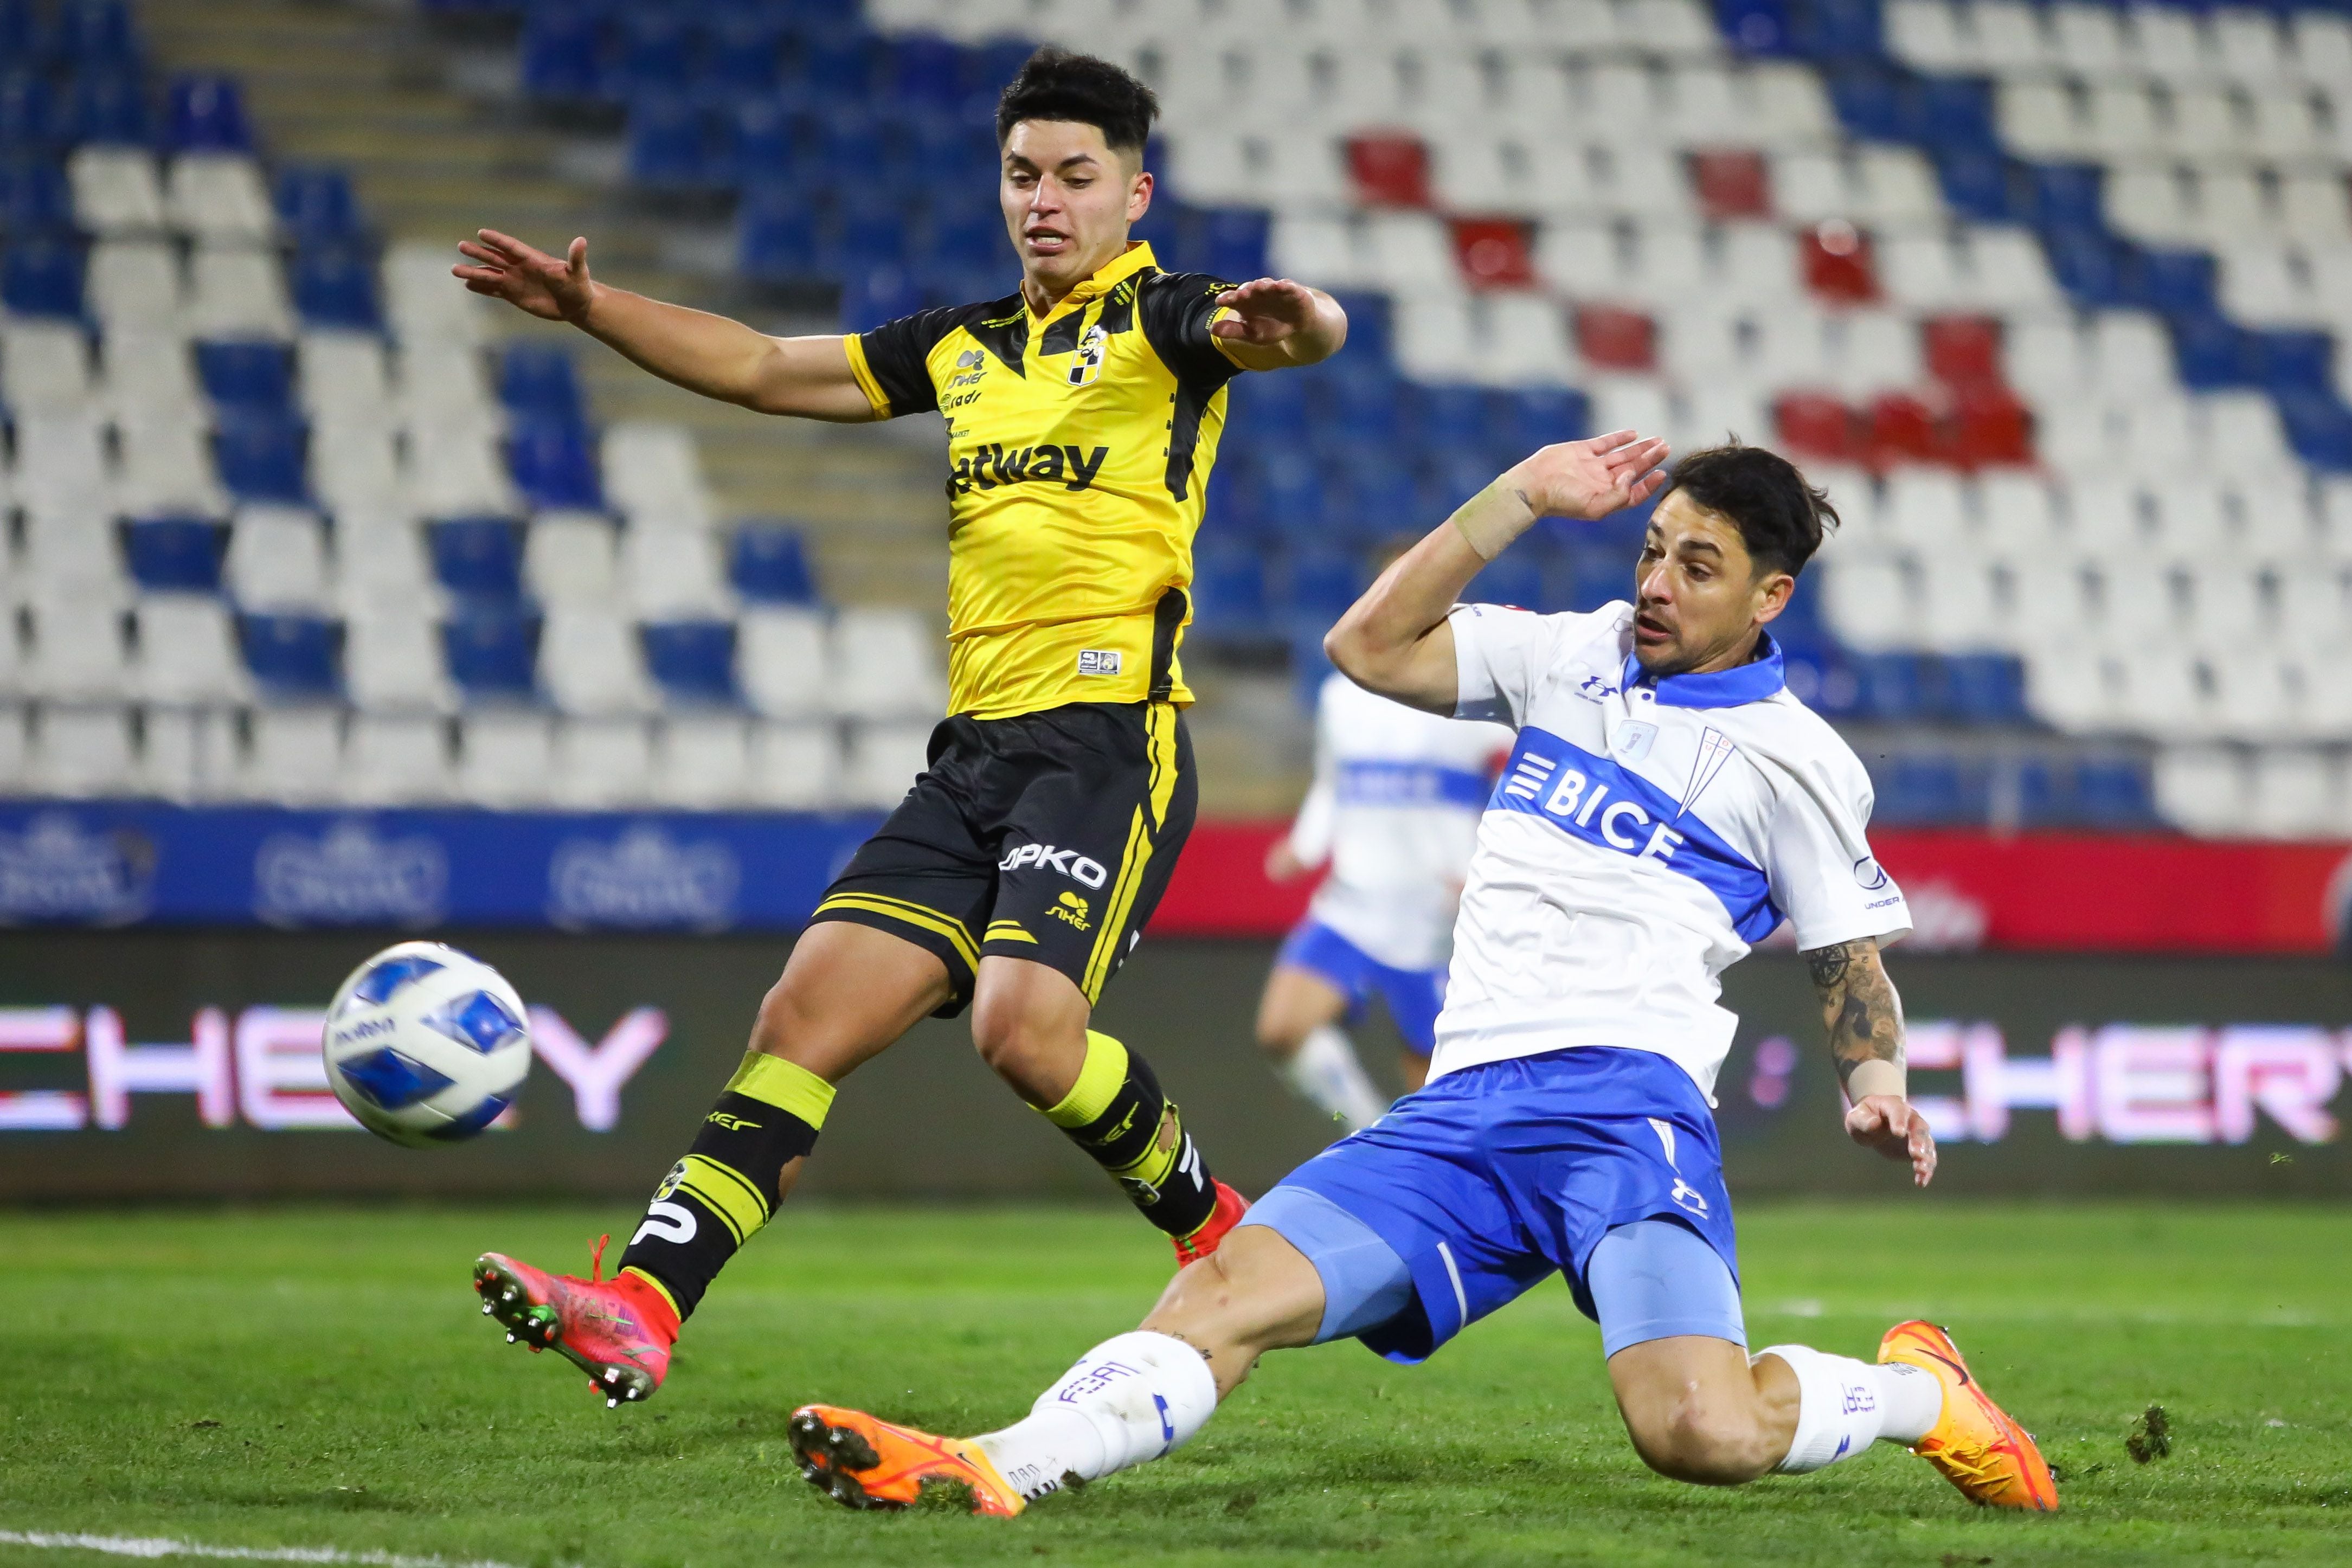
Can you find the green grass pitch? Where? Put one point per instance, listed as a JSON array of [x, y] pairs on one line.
[[322, 1378]]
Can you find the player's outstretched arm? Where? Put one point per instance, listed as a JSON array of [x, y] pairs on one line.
[[702, 353], [1396, 639], [1864, 1018], [1278, 323]]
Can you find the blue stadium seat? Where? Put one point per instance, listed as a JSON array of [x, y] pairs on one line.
[[1370, 332], [181, 554], [879, 294], [1451, 415], [775, 237], [1869, 100], [743, 60], [2068, 195], [479, 557], [1319, 584], [676, 145], [34, 198], [1291, 496], [2114, 793], [315, 203], [42, 277], [1597, 574], [1235, 512], [2045, 794], [1229, 596], [539, 382], [693, 660], [260, 456], [1897, 687], [1540, 416], [28, 116], [1980, 183], [1838, 30], [562, 53], [334, 286], [208, 115], [1514, 577], [491, 652], [767, 146], [926, 69], [2088, 263], [19, 31], [292, 656], [95, 32], [1952, 114], [1823, 680], [1455, 476], [1359, 412], [2175, 282], [554, 465], [1759, 26], [1269, 411], [2214, 354], [655, 54], [1985, 687], [1930, 789], [108, 106], [1378, 499], [250, 375], [2295, 361], [2319, 428], [768, 562]]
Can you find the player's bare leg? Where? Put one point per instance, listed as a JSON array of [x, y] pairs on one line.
[[1298, 1029], [1029, 1023], [847, 992], [1414, 1068], [1131, 1399]]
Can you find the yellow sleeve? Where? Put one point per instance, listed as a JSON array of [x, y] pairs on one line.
[[855, 345]]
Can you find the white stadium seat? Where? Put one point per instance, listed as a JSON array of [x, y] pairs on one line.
[[392, 659], [135, 287], [84, 752], [591, 663], [396, 759], [115, 190], [796, 767], [885, 664], [45, 367], [603, 764], [785, 660], [505, 757], [76, 655], [703, 761], [218, 197], [569, 560], [295, 757], [238, 292], [881, 761], [277, 560], [187, 649]]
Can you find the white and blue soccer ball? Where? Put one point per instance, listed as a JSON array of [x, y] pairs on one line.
[[427, 1045]]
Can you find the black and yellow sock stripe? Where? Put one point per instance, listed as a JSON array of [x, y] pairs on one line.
[[728, 1184], [1117, 1114]]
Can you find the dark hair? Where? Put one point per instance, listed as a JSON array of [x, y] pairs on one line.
[[1058, 85], [1780, 518]]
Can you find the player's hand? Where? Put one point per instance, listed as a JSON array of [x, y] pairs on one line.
[[1592, 478], [552, 288], [1281, 862], [1893, 1125], [1267, 311]]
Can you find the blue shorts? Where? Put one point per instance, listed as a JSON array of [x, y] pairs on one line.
[[1414, 996], [1494, 1177]]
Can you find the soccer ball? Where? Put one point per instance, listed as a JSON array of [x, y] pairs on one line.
[[427, 1045]]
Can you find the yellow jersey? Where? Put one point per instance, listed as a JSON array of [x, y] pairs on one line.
[[1079, 447]]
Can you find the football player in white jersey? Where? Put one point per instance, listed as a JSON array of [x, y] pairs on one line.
[[1393, 808], [1668, 805]]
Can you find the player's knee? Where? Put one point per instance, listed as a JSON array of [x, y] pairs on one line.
[[1706, 1442]]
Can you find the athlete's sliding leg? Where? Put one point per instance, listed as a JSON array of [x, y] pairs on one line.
[[1298, 1029], [1029, 1024]]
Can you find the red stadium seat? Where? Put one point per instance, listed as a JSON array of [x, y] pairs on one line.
[[1494, 252], [1962, 350], [1988, 426], [1731, 184], [1612, 338], [1839, 265], [1390, 168], [1903, 428], [1816, 424]]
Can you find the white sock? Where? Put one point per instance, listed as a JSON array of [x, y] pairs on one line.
[[1325, 1071], [1131, 1399], [1844, 1405]]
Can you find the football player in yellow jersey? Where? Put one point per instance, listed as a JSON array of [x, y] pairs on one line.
[[1083, 415]]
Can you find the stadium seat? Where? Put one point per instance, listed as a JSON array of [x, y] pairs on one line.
[[396, 759], [44, 366], [592, 662], [785, 662], [291, 655], [116, 190], [479, 557], [334, 287], [236, 290], [540, 383], [553, 465], [796, 767], [885, 665], [881, 761], [277, 560], [42, 277], [393, 660], [247, 375], [491, 652], [693, 661], [505, 757], [206, 113], [187, 649], [702, 762], [602, 764], [768, 564], [315, 204], [174, 554], [571, 558], [83, 751], [261, 458], [76, 655]]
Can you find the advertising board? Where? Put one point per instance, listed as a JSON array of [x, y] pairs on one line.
[[148, 1063]]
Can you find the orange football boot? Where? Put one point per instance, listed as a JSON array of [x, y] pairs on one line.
[[1231, 1207], [860, 1462], [618, 1331], [1975, 1443]]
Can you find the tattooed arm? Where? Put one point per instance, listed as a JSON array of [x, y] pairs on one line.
[[1864, 1019]]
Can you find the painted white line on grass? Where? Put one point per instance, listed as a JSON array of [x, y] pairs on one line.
[[164, 1546]]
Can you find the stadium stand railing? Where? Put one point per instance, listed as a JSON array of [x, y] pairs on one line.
[[289, 525]]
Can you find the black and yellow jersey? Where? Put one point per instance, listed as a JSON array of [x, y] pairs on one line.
[[1079, 445]]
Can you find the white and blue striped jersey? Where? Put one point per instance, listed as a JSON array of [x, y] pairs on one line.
[[1644, 834], [1394, 807]]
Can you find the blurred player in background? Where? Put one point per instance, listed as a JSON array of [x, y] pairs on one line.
[[1395, 809], [1668, 805], [1083, 418]]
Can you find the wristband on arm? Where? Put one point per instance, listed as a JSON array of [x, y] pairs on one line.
[[1489, 520]]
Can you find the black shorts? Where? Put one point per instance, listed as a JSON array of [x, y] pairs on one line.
[[1048, 837]]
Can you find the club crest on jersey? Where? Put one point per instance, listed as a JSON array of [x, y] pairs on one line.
[[1715, 749], [1088, 363]]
